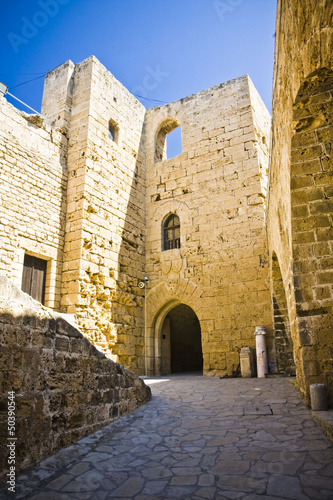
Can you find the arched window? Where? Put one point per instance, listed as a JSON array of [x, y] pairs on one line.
[[162, 150], [171, 232]]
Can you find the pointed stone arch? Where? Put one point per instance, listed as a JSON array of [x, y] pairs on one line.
[[160, 301]]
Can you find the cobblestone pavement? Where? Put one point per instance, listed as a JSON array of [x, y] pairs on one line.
[[199, 438]]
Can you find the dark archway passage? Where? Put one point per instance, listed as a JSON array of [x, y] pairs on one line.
[[181, 341]]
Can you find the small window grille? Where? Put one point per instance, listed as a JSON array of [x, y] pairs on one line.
[[171, 232]]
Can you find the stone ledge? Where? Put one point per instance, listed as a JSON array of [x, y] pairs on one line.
[[325, 421]]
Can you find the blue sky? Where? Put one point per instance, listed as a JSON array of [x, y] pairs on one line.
[[160, 49]]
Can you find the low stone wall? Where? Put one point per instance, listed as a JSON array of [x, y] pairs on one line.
[[64, 388]]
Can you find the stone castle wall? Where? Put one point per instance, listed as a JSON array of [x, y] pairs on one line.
[[64, 387], [33, 185], [217, 187], [118, 192], [299, 222]]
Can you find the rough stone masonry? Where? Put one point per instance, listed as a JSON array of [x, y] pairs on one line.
[[300, 208], [64, 388]]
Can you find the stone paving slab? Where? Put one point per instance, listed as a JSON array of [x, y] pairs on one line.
[[198, 438]]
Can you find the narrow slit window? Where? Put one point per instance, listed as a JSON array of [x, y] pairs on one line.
[[113, 131], [171, 232]]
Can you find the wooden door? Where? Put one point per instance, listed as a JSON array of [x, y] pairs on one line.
[[34, 277]]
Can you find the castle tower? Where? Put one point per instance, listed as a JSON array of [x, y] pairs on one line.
[[105, 232]]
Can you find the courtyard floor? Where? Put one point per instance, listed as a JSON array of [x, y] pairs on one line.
[[198, 438]]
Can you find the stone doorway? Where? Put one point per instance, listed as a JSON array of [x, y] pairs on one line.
[[181, 349]]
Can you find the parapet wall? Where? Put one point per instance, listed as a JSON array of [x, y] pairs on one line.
[[64, 387]]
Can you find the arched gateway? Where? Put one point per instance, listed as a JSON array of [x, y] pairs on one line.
[[173, 329], [181, 349]]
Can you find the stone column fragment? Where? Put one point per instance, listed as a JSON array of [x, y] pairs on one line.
[[247, 362], [262, 365], [318, 396]]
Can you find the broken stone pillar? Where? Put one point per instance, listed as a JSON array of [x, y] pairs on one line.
[[247, 362], [262, 365], [318, 397]]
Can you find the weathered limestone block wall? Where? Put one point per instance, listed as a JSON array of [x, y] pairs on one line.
[[217, 186], [105, 233], [300, 200], [64, 387], [33, 183]]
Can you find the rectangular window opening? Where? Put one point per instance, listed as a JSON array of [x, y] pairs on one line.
[[34, 277]]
